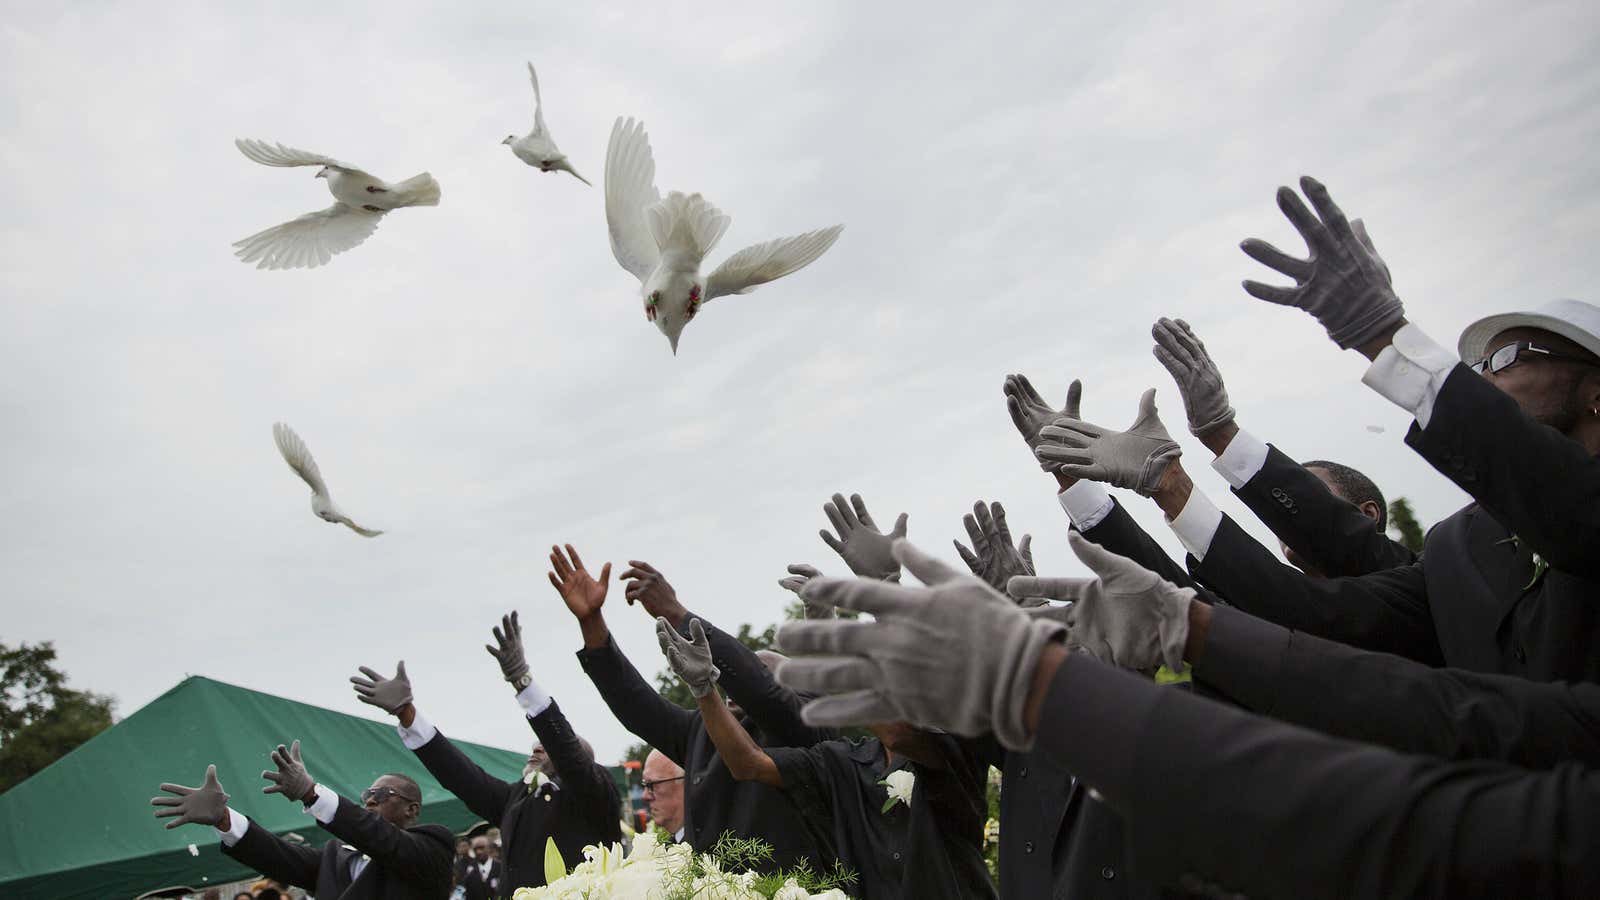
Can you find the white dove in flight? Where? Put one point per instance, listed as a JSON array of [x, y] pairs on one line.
[[361, 199], [538, 148], [662, 242], [299, 459]]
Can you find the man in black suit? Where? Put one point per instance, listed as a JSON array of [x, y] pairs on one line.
[[563, 794], [484, 877], [379, 852]]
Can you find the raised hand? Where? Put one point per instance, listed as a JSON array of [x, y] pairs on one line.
[[1128, 616], [204, 805], [507, 651], [1134, 459], [690, 658], [1031, 414], [583, 594], [799, 575], [955, 655], [388, 694], [291, 780], [865, 549], [1342, 281], [1205, 397], [651, 590], [992, 557]]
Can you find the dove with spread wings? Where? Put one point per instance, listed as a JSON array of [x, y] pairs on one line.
[[662, 242], [360, 200], [537, 148], [299, 459]]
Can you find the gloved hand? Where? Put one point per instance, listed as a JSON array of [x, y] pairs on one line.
[[1132, 459], [992, 556], [954, 655], [291, 780], [1205, 397], [652, 591], [690, 658], [513, 662], [799, 575], [863, 547], [1129, 616], [1031, 414], [388, 694], [1342, 282], [204, 805]]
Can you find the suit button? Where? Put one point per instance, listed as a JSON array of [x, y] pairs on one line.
[[1108, 873], [897, 854], [1027, 847], [1522, 655], [1023, 773], [697, 779]]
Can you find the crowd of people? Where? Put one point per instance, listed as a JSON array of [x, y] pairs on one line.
[[1363, 720]]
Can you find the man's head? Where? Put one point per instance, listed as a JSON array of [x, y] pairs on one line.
[[663, 791], [1349, 485], [395, 798], [463, 848], [538, 761], [1548, 360], [480, 848]]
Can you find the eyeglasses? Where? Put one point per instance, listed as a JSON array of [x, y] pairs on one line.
[[381, 794], [651, 785], [1511, 354]]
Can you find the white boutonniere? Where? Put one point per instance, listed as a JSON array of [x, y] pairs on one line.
[[1540, 564], [899, 786], [535, 780]]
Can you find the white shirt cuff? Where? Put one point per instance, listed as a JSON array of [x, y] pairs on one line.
[[1410, 371], [326, 806], [533, 699], [1087, 503], [237, 826], [1241, 459], [1197, 524], [420, 732]]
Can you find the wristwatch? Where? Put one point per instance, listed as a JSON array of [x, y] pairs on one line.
[[522, 682]]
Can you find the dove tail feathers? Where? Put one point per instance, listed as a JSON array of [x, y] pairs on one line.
[[419, 190], [686, 224]]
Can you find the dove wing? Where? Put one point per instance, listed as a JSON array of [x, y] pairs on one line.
[[630, 188], [364, 532], [761, 263], [282, 155], [538, 103], [311, 240], [298, 457]]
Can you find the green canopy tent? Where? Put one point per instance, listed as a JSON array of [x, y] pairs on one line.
[[83, 827]]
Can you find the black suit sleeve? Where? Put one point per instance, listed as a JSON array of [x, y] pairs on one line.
[[1537, 482], [579, 773], [1272, 810], [1317, 524], [1119, 533], [1385, 611], [482, 793], [641, 710], [775, 708], [1387, 700], [413, 854], [276, 858]]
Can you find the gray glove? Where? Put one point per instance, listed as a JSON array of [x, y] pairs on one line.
[[863, 547], [388, 694], [204, 805], [954, 655], [513, 661], [291, 780], [1134, 459], [1031, 414], [1342, 282], [992, 556], [1205, 397], [690, 658], [799, 575], [1129, 616]]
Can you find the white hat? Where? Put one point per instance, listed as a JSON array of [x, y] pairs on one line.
[[1574, 320]]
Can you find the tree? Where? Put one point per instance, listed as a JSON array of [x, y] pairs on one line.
[[1404, 523], [41, 719]]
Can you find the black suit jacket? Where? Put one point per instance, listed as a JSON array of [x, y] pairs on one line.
[[1227, 802], [582, 808], [406, 864], [714, 801], [477, 888]]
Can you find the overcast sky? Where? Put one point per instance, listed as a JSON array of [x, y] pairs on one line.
[[1024, 190]]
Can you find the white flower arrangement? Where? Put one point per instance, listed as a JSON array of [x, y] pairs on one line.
[[654, 870], [899, 784]]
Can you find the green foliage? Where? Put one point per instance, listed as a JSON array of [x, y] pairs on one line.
[[41, 719], [1404, 523], [733, 854]]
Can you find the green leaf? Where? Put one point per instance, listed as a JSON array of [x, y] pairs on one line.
[[554, 868], [888, 805]]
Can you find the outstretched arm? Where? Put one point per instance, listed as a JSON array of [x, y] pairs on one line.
[[691, 660]]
